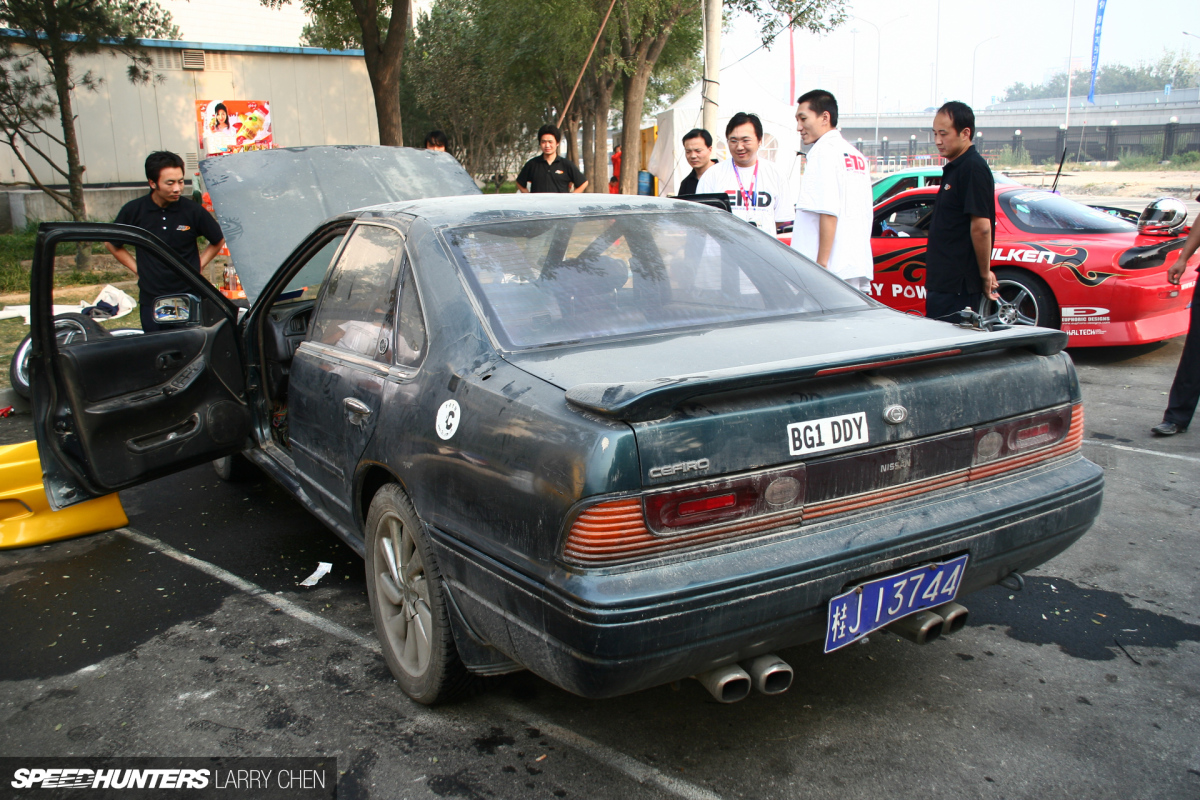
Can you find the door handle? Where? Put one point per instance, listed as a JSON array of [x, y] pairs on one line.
[[169, 359], [356, 409]]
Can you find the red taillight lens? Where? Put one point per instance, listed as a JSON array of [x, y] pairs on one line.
[[769, 492], [718, 503]]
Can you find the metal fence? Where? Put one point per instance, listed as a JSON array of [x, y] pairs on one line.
[[1104, 143]]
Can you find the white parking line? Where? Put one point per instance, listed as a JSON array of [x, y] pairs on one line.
[[635, 769], [642, 773], [253, 590], [1140, 450]]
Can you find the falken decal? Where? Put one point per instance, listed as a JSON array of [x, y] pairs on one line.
[[1069, 256]]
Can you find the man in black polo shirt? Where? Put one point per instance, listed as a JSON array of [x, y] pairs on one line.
[[958, 261], [697, 149], [175, 219], [549, 172]]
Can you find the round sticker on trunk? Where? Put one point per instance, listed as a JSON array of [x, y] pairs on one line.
[[447, 419]]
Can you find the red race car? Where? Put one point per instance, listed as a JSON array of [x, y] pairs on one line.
[[1060, 264]]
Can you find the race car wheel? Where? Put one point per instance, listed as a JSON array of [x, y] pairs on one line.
[[1024, 300], [408, 602], [69, 327]]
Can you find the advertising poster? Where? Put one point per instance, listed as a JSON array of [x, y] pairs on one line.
[[233, 126]]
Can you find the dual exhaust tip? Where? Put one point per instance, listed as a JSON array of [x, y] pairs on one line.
[[926, 626], [769, 674]]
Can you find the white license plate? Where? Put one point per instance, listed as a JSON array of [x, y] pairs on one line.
[[829, 433], [874, 604]]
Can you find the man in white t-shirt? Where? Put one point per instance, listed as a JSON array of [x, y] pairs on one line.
[[757, 190], [833, 211]]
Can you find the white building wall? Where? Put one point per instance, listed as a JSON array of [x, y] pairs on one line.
[[315, 98]]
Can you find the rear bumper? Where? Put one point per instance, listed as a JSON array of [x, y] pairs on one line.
[[611, 632]]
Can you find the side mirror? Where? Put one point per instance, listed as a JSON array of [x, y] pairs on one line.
[[177, 309]]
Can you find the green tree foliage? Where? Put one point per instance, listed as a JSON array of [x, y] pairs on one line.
[[1180, 69], [460, 70], [37, 77], [379, 28]]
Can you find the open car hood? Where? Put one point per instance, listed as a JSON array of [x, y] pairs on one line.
[[267, 201]]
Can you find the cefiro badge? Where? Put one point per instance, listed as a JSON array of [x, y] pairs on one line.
[[447, 419]]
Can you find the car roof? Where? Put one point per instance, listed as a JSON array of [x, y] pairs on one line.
[[485, 208]]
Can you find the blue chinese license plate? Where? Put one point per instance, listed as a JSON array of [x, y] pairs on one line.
[[870, 606]]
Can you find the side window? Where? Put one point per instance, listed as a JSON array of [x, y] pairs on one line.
[[410, 338], [358, 306], [906, 219], [902, 185]]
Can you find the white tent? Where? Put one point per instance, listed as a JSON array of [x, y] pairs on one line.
[[740, 91]]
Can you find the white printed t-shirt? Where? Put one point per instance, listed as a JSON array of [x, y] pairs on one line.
[[837, 182], [763, 199]]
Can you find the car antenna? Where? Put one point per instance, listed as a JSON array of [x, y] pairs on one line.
[[1054, 188]]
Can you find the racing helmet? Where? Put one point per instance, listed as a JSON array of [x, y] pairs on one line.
[[1163, 217]]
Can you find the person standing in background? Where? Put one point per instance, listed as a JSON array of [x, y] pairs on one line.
[[958, 261], [697, 149], [758, 192], [550, 172], [833, 211], [178, 222], [436, 141], [1185, 389]]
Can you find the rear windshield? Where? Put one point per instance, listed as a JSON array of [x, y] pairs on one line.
[[568, 279], [1042, 212]]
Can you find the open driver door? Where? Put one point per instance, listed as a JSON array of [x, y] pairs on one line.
[[115, 412]]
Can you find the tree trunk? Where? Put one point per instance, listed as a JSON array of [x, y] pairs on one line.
[[589, 147], [385, 85], [569, 131], [605, 84], [631, 127], [60, 69]]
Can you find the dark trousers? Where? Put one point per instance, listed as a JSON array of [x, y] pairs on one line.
[[945, 306], [146, 311], [1185, 391]]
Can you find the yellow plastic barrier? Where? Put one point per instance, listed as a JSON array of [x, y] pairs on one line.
[[25, 515]]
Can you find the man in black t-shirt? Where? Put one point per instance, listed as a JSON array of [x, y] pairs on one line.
[[697, 149], [549, 172], [175, 219], [958, 261]]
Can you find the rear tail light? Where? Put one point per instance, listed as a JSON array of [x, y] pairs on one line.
[[771, 492], [633, 528], [1019, 443]]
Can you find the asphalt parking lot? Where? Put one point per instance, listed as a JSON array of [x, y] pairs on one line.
[[187, 634]]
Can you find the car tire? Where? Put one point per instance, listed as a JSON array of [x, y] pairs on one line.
[[1028, 300], [69, 326], [235, 468], [408, 602]]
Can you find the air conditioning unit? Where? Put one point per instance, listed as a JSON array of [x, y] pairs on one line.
[[193, 59]]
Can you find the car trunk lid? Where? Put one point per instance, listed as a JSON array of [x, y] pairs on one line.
[[823, 392]]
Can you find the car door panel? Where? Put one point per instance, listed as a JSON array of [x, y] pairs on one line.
[[167, 411]]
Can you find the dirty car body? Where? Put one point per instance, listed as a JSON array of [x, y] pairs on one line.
[[623, 440]]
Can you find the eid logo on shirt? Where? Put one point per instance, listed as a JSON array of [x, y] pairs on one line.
[[183, 227], [856, 163]]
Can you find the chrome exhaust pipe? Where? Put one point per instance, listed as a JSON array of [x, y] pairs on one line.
[[769, 674], [728, 684], [954, 617], [922, 627]]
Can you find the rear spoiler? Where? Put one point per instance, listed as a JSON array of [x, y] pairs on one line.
[[643, 401]]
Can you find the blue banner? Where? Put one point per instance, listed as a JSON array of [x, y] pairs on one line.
[[1096, 48]]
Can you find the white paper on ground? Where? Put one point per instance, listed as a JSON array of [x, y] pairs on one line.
[[323, 568]]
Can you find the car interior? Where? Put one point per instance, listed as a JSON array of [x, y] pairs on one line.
[[905, 219]]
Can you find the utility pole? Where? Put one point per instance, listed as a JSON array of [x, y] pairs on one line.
[[1070, 57], [710, 89]]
